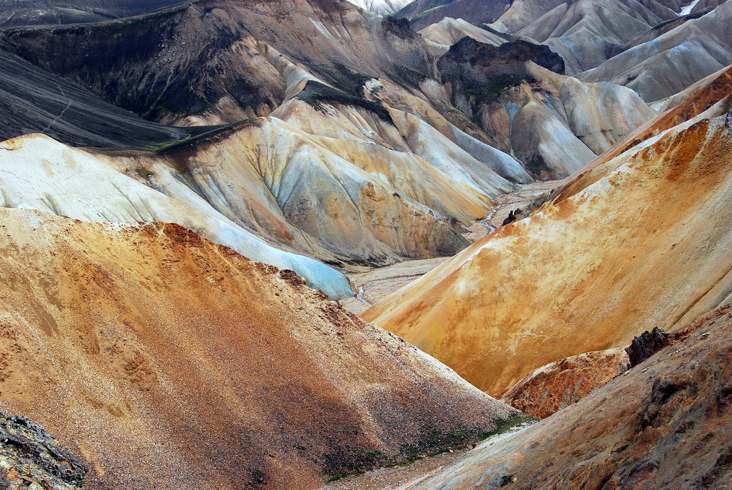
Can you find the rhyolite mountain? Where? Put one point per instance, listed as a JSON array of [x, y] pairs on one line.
[[188, 189], [283, 109], [40, 12], [664, 424], [481, 312]]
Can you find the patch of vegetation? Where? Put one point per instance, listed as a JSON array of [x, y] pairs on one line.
[[354, 461], [258, 477]]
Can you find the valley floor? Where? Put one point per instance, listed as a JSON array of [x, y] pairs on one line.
[[374, 284]]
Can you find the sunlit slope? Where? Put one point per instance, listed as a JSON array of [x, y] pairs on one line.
[[646, 245]]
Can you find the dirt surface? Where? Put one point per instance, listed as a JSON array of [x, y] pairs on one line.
[[559, 384], [397, 476], [167, 361]]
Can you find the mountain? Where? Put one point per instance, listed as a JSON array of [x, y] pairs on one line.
[[495, 312], [584, 32], [669, 63], [423, 13], [43, 12], [671, 429], [32, 100], [442, 35], [381, 7], [386, 211], [516, 92], [197, 195], [168, 361]]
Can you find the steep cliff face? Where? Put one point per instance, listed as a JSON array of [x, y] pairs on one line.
[[584, 273], [664, 424], [167, 361]]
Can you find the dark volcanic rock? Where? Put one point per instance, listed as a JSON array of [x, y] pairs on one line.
[[40, 12], [646, 344], [29, 455], [316, 94], [33, 100], [222, 59], [483, 72]]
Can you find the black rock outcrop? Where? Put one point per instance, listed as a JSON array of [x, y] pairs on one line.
[[482, 71], [646, 344], [30, 457]]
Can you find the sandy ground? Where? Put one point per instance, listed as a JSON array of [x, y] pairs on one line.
[[374, 284]]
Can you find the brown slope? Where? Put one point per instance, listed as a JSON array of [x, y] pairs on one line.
[[665, 424], [647, 245], [559, 384], [170, 362]]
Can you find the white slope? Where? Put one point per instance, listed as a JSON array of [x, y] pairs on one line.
[[687, 9], [381, 7], [39, 173]]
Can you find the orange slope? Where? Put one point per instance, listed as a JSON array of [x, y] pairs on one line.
[[647, 244]]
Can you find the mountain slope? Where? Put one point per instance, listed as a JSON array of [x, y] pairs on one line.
[[40, 12], [668, 64], [585, 32], [380, 7], [167, 361], [664, 424], [645, 245], [39, 173], [516, 92], [33, 100], [423, 13], [221, 60]]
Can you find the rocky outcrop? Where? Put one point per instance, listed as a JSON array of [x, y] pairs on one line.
[[665, 425], [31, 458], [620, 268], [645, 345], [481, 71], [557, 385], [172, 362]]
